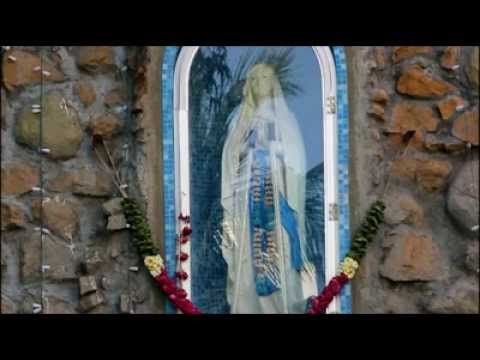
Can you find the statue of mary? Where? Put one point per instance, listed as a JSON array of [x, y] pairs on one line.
[[263, 198]]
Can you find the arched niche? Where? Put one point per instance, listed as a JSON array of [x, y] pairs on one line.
[[177, 156]]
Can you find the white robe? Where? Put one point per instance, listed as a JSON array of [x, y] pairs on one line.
[[287, 158]]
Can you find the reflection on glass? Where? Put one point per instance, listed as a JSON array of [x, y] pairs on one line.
[[256, 180]]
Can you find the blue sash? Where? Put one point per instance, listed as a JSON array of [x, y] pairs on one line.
[[262, 224]]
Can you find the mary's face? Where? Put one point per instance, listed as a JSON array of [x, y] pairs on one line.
[[262, 84]]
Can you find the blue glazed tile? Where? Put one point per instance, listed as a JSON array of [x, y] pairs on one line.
[[168, 69], [343, 158]]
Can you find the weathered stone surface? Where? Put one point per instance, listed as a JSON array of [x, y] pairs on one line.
[[115, 250], [380, 96], [398, 303], [125, 304], [454, 146], [87, 284], [61, 183], [91, 301], [117, 242], [56, 58], [403, 208], [21, 72], [433, 142], [96, 59], [3, 109], [115, 97], [430, 174], [379, 53], [86, 92], [113, 206], [463, 196], [472, 68], [116, 222], [62, 133], [417, 83], [3, 265], [93, 263], [411, 256], [106, 125], [404, 167], [377, 111], [446, 143], [400, 141], [86, 182], [91, 183], [60, 217], [461, 298], [13, 217], [140, 293], [404, 52], [466, 127], [450, 57], [30, 258], [59, 256], [407, 116], [26, 306], [472, 257], [107, 283], [54, 305], [116, 278], [8, 306], [450, 106], [18, 178]]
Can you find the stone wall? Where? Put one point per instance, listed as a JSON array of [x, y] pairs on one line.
[[414, 140], [85, 90], [414, 126]]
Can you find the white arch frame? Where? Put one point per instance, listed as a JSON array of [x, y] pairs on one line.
[[182, 164]]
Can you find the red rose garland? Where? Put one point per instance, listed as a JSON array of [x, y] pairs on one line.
[[320, 303], [152, 259], [176, 295], [350, 264]]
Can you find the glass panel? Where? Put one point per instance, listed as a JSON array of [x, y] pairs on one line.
[[256, 144]]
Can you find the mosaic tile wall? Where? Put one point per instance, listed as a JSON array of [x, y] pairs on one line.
[[343, 156]]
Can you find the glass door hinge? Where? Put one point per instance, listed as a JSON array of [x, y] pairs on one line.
[[331, 105], [333, 212]]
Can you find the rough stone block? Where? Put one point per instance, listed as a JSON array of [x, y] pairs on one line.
[[116, 222], [91, 301], [88, 284]]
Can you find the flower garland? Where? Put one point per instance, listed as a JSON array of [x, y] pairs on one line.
[[317, 305], [350, 264], [153, 261]]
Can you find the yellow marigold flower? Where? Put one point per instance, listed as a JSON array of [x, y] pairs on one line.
[[154, 264], [349, 267]]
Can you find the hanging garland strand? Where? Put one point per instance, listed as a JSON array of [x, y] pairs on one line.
[[142, 235], [350, 264], [153, 261]]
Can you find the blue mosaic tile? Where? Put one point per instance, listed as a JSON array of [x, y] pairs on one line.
[[168, 69], [343, 158]]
